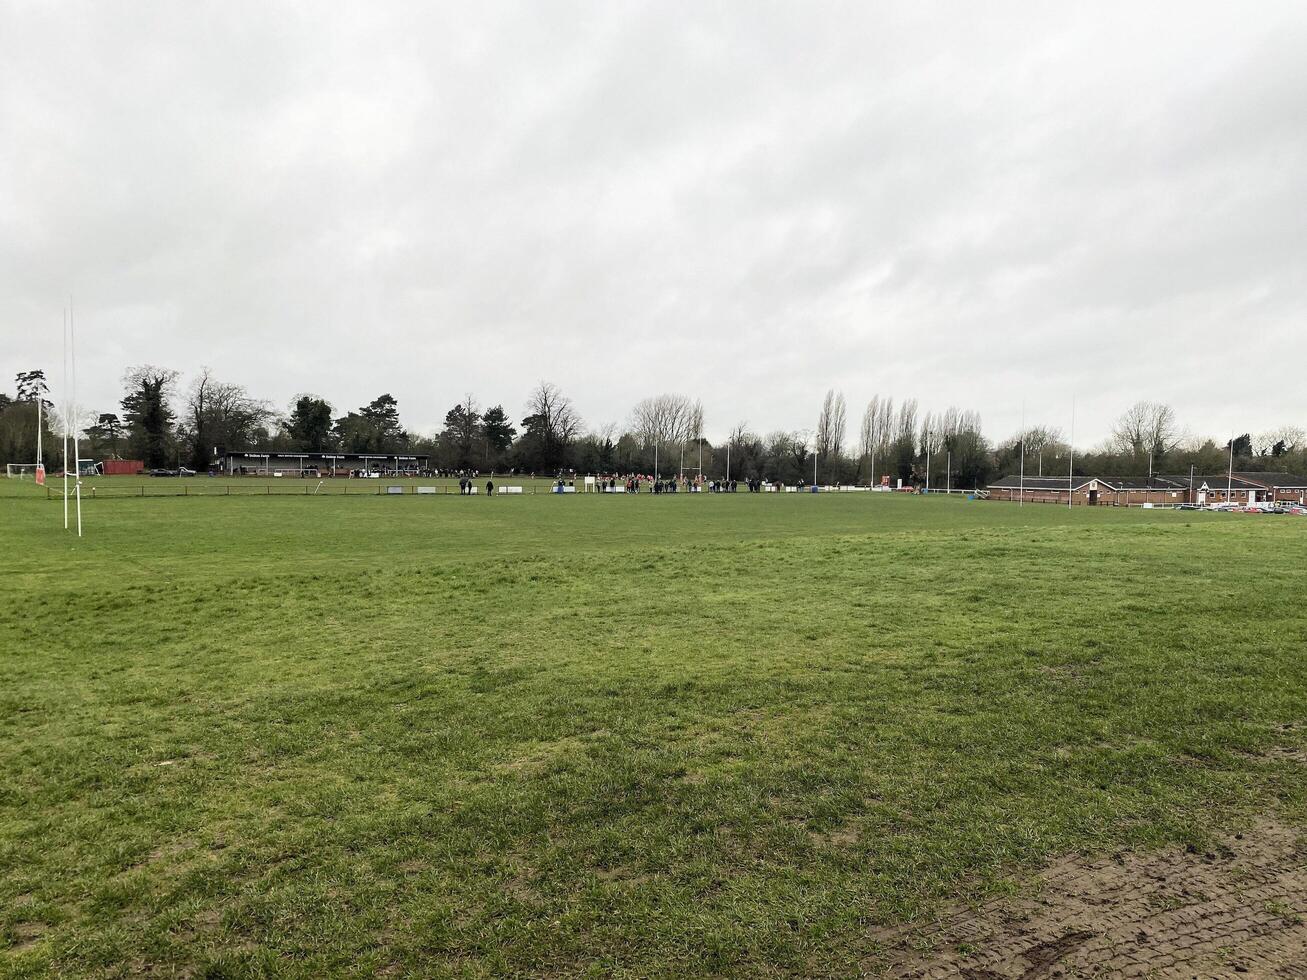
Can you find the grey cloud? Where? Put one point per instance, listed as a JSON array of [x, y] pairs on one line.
[[978, 205]]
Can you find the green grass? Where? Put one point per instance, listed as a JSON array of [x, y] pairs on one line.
[[655, 736]]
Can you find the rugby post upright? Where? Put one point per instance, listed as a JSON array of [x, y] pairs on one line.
[[40, 458], [64, 427], [1071, 467], [1229, 474], [77, 452], [1022, 479]]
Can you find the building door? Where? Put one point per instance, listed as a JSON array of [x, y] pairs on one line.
[[1093, 496]]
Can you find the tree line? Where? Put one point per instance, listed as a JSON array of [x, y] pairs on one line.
[[166, 424]]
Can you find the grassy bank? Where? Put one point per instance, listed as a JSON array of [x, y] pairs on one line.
[[676, 735]]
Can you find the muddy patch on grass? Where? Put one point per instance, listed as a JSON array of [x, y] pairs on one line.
[[1237, 911], [26, 935]]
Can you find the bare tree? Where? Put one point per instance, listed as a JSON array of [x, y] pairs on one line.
[[552, 423], [1146, 428], [695, 430], [960, 438], [1039, 440], [931, 439], [831, 424], [219, 413], [875, 437], [666, 419], [1281, 440], [903, 447]]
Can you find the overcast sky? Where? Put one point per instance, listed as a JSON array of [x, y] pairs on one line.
[[969, 203]]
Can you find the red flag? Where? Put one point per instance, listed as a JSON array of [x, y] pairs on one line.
[[40, 475]]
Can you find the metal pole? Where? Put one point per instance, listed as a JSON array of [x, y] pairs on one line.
[[1071, 468], [1022, 480], [1229, 474], [77, 452], [65, 419]]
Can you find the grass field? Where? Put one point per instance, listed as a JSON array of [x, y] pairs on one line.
[[655, 736]]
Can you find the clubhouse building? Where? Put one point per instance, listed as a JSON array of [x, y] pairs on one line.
[[1170, 490]]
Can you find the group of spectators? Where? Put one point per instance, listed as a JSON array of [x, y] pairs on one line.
[[732, 486], [640, 483]]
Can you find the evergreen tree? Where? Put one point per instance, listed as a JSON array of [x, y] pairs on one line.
[[497, 429], [309, 424], [149, 414]]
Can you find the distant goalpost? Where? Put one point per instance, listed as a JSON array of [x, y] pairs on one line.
[[20, 471]]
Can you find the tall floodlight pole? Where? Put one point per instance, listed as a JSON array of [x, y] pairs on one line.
[[1021, 482], [77, 452], [1071, 467], [928, 447], [948, 473], [814, 466], [64, 427], [1229, 474], [728, 457]]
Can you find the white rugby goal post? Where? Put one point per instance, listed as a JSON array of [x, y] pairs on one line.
[[20, 471]]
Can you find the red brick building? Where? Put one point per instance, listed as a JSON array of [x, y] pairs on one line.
[[1243, 487], [1115, 491], [1109, 491]]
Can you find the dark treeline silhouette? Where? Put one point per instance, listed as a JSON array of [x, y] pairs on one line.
[[166, 424]]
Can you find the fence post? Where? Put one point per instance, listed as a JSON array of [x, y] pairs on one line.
[[142, 489]]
